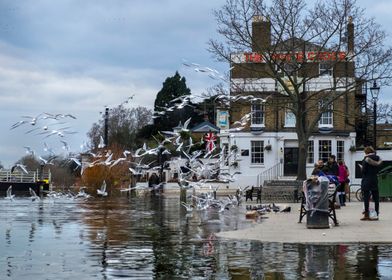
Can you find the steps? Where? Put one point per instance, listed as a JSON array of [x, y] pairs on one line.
[[281, 191]]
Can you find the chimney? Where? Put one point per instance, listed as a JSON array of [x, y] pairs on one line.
[[261, 34], [350, 36]]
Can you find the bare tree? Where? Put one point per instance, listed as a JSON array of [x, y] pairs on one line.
[[299, 36], [384, 112], [123, 125]]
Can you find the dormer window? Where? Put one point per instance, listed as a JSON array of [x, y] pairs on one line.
[[325, 69]]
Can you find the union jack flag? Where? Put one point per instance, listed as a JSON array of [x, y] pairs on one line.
[[210, 138]]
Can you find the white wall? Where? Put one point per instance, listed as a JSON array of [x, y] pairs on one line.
[[278, 141]]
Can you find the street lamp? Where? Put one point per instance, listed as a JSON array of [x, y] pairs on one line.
[[374, 91], [106, 128]]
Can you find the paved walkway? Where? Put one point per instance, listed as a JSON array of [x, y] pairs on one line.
[[284, 227]]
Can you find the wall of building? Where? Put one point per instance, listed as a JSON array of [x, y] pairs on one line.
[[278, 141]]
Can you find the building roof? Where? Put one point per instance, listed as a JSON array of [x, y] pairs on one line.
[[298, 44], [205, 126]]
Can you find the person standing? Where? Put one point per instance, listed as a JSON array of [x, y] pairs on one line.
[[332, 166], [342, 177], [369, 184]]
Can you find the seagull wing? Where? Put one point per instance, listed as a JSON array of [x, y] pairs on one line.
[[186, 123]]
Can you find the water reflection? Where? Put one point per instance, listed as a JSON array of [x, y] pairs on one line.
[[155, 238]]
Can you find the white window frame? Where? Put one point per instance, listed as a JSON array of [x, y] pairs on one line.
[[289, 118], [325, 153], [310, 157], [257, 114], [256, 152], [340, 150], [326, 118], [325, 69]]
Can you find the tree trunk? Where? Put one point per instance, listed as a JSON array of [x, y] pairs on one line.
[[302, 155], [302, 135]]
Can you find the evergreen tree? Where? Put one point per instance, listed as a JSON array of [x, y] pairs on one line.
[[172, 88]]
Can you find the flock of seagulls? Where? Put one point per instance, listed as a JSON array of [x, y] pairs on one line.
[[207, 201], [52, 130], [59, 194], [206, 166], [46, 126], [10, 196]]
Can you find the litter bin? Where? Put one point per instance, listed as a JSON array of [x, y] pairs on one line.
[[385, 182], [316, 193]]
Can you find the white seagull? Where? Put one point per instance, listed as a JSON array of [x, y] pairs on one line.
[[102, 191], [10, 196]]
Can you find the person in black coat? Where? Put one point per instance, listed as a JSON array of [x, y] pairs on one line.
[[369, 184], [332, 166]]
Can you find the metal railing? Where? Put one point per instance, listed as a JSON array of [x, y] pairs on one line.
[[269, 174], [22, 177]]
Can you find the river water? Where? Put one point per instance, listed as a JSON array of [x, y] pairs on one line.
[[155, 238]]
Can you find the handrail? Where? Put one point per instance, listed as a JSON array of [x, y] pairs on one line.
[[272, 173], [17, 176]]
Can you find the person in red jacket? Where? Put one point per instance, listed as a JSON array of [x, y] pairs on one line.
[[342, 177]]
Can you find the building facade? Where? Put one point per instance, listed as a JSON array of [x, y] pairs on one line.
[[267, 142]]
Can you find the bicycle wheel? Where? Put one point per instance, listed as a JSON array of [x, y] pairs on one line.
[[358, 195]]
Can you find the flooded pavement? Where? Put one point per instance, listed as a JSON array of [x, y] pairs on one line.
[[155, 238]]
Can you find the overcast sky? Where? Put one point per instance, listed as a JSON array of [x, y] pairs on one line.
[[76, 57]]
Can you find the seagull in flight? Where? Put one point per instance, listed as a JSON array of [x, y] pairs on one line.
[[102, 190], [188, 207], [34, 196], [19, 166], [101, 143], [9, 195]]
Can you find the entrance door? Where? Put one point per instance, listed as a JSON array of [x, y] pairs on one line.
[[290, 165]]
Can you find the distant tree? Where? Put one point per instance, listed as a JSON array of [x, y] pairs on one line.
[[114, 175], [62, 173], [62, 170], [384, 112], [1, 165], [123, 126], [172, 88], [31, 163]]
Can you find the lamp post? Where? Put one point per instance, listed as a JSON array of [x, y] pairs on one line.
[[374, 91], [106, 128]]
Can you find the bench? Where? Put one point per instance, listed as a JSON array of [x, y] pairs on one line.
[[254, 192]]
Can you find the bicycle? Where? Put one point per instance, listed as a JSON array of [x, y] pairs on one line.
[[358, 195]]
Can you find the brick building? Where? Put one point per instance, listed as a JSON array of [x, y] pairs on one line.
[[269, 142]]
